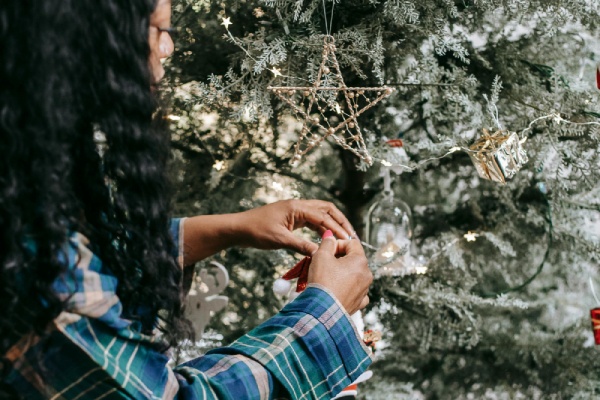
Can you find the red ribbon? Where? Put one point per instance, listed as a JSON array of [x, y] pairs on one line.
[[598, 76], [299, 271]]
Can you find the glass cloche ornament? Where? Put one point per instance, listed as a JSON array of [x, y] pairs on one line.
[[389, 230]]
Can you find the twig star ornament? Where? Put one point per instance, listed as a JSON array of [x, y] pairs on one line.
[[330, 108]]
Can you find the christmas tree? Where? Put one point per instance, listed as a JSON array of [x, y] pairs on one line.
[[484, 263]]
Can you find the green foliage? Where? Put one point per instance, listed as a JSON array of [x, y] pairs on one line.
[[501, 317]]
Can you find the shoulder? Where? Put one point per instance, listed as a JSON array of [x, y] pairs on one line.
[[87, 287]]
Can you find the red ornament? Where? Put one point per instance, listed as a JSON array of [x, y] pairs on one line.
[[595, 314], [598, 76], [395, 143]]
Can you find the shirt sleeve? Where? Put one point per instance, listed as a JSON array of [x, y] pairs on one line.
[[310, 350]]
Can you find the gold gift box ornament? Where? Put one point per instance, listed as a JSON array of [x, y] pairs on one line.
[[498, 156]]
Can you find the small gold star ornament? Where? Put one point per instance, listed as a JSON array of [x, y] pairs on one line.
[[330, 108]]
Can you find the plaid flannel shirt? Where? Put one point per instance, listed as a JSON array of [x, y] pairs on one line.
[[309, 350]]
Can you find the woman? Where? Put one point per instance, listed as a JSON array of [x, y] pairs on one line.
[[90, 271]]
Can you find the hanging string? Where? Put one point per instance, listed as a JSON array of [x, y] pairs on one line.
[[594, 291], [328, 27], [325, 17], [331, 17], [493, 110]]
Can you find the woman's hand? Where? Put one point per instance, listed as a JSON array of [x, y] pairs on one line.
[[268, 227], [342, 267], [271, 226]]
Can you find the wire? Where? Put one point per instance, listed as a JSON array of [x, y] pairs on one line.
[[554, 116], [540, 267]]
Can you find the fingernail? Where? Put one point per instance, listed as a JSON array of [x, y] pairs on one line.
[[327, 234]]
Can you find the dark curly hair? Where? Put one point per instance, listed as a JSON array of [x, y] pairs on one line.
[[69, 68]]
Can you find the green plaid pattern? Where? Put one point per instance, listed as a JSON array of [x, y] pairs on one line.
[[309, 350]]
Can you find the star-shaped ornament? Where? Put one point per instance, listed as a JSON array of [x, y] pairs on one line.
[[226, 22], [471, 236], [330, 108], [276, 72]]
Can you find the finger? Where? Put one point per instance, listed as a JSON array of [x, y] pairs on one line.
[[364, 302], [320, 218], [328, 245], [350, 247], [341, 219], [300, 245]]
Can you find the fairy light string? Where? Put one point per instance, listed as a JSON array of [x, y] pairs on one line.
[[471, 237], [538, 271], [553, 116], [356, 144]]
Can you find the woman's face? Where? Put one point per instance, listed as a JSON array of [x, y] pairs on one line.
[[161, 44]]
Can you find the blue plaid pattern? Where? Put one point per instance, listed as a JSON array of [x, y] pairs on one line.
[[309, 350]]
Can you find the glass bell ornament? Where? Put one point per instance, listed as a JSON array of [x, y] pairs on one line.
[[389, 229]]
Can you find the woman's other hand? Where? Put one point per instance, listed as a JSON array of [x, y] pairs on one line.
[[271, 226]]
